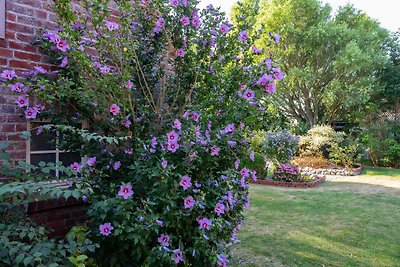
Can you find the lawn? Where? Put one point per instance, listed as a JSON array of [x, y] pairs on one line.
[[337, 224], [376, 171]]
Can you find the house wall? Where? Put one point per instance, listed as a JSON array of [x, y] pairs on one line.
[[24, 19]]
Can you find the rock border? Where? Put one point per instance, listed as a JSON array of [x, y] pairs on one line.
[[324, 171], [319, 180]]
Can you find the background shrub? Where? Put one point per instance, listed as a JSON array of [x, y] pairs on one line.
[[281, 146]]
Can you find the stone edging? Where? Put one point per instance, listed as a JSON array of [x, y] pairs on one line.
[[319, 180], [341, 172]]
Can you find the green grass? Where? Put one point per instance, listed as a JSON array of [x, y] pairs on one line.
[[376, 171], [320, 227]]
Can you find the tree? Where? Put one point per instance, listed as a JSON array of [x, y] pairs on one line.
[[330, 62], [389, 97]]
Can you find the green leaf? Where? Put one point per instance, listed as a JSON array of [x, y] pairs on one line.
[[4, 156]]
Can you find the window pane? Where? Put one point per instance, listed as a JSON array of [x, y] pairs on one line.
[[69, 158], [44, 141], [36, 158]]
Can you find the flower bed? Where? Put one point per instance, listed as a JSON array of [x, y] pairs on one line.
[[306, 184]]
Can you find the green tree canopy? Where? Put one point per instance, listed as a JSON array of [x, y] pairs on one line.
[[330, 61]]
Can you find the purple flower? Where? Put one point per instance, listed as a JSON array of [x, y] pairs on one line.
[[163, 240], [268, 63], [62, 45], [177, 124], [160, 22], [224, 28], [91, 161], [8, 75], [244, 172], [117, 165], [277, 37], [112, 25], [252, 155], [189, 202], [160, 223], [129, 151], [172, 137], [278, 74], [76, 167], [254, 175], [248, 95], [180, 52], [105, 229], [222, 261], [185, 20], [38, 69], [219, 209], [174, 3], [64, 62], [265, 79], [204, 223], [129, 84], [172, 147], [184, 3], [114, 109], [17, 87], [31, 113], [186, 182], [125, 191], [126, 123], [178, 255], [22, 102], [164, 164], [215, 151], [105, 69], [243, 35], [270, 88], [196, 21], [236, 164], [195, 116], [230, 198]]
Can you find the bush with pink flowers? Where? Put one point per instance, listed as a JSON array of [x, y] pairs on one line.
[[171, 94]]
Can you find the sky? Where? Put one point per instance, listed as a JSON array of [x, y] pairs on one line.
[[387, 12]]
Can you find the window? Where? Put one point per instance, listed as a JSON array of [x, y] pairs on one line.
[[44, 147], [2, 19]]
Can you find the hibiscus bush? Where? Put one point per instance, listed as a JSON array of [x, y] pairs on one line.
[[281, 146], [170, 95]]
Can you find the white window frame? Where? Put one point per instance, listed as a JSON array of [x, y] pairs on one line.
[[42, 152]]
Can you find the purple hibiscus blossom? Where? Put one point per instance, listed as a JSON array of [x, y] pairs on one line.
[[8, 75], [180, 52], [173, 147], [189, 202], [31, 113], [248, 95], [172, 137], [22, 102], [185, 182], [112, 25], [125, 191], [219, 209], [105, 229], [243, 35], [215, 151], [163, 240], [114, 109], [177, 256], [91, 161], [205, 223], [76, 167]]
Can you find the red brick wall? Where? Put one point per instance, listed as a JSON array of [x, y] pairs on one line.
[[59, 215], [24, 18]]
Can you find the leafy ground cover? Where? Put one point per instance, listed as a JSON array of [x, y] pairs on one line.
[[337, 224]]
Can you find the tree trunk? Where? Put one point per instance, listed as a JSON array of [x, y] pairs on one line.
[[397, 110]]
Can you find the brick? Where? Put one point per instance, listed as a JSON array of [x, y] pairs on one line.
[[11, 26], [27, 20], [23, 47], [7, 128], [21, 64], [27, 56], [10, 35], [5, 52], [4, 109], [19, 8], [3, 61], [10, 16], [20, 127], [15, 118], [25, 38], [41, 14]]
